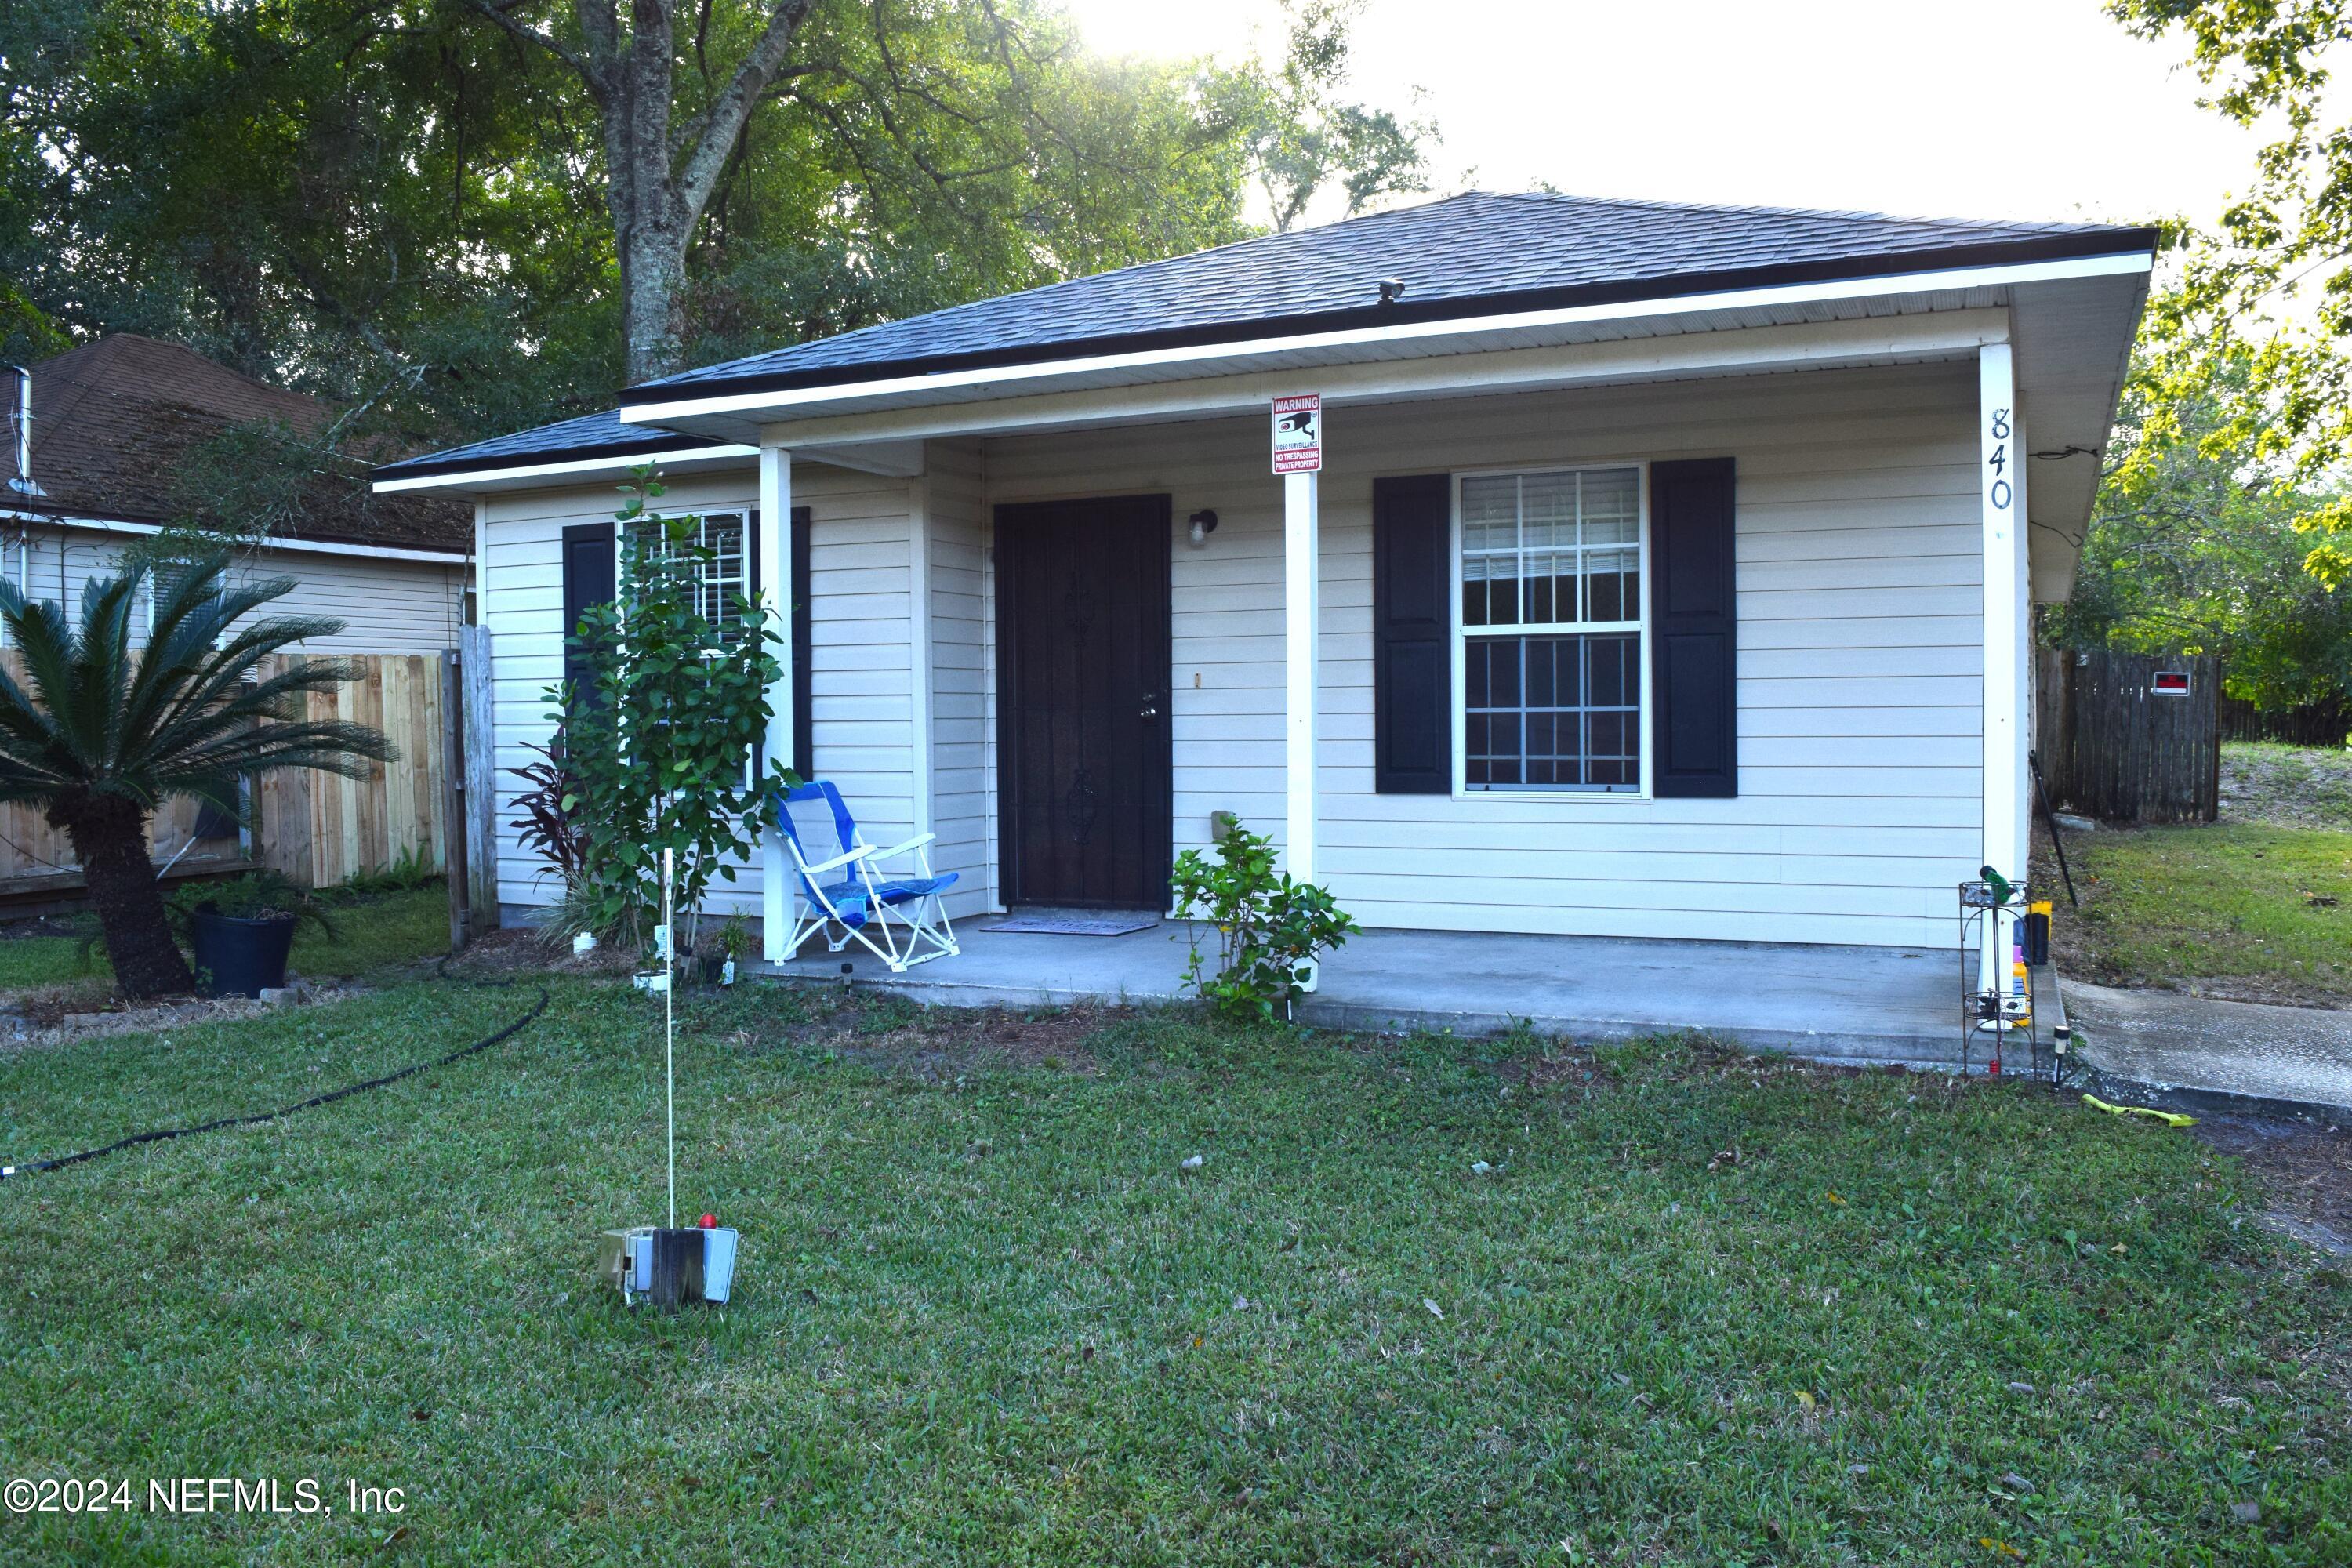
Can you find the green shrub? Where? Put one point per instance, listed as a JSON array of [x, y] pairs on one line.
[[1270, 926]]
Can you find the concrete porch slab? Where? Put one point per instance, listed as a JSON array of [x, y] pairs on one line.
[[1830, 1004]]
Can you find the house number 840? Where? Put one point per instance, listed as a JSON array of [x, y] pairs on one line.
[[1999, 461]]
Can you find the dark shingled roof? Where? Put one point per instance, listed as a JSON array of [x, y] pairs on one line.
[[112, 420], [1474, 253], [1478, 253], [590, 435]]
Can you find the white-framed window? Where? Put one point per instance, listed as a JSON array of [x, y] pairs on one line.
[[727, 571], [1551, 587]]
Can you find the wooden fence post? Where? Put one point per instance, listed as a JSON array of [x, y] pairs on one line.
[[454, 859], [479, 728]]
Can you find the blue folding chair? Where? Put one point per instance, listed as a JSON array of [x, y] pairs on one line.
[[898, 920]]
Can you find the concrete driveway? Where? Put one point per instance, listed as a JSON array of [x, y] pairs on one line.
[[2296, 1058]]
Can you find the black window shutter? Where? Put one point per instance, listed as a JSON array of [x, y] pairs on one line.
[[1413, 636], [796, 588], [590, 577], [1694, 633]]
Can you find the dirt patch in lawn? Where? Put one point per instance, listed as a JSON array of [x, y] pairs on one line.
[[2287, 786], [62, 1015], [891, 1034], [940, 1044], [2303, 1168], [528, 949]]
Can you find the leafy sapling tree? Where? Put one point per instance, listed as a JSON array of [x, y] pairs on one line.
[[1270, 926], [658, 749]]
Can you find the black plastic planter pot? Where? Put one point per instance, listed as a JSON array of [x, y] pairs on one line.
[[238, 957]]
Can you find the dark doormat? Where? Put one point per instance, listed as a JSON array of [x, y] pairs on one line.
[[1054, 922]]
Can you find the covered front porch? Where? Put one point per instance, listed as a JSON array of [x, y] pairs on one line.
[[1860, 1005]]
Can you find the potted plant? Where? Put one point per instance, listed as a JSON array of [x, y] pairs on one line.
[[734, 946], [241, 930]]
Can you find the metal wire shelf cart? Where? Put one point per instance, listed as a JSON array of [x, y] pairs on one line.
[[1999, 968]]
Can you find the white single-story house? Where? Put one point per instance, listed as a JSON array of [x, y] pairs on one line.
[[113, 421], [1667, 573]]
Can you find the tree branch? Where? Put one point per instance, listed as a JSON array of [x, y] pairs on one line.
[[500, 11], [712, 134]]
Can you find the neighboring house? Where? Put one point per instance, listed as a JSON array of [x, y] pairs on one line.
[[113, 423], [1669, 572]]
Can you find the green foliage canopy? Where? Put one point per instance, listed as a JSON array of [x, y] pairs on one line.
[[658, 754], [2199, 548], [2276, 395], [401, 207]]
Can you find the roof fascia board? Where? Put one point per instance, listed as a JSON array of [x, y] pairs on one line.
[[279, 543], [782, 403], [464, 479], [1730, 350], [887, 459]]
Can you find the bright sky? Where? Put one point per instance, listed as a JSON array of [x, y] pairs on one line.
[[2025, 108]]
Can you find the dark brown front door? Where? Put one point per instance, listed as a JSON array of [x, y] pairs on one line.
[[1082, 677]]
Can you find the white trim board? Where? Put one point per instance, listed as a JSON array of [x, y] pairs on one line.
[[1731, 350], [577, 468], [304, 546], [774, 403]]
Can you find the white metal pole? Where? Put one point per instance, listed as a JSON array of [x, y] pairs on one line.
[[1301, 593], [784, 723], [2001, 492], [669, 1032]]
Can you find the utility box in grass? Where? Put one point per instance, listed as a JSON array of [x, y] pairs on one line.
[[669, 1268]]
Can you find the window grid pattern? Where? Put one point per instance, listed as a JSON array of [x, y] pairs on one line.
[[1551, 550], [726, 572], [1551, 607]]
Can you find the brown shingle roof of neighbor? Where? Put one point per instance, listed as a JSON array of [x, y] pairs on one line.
[[114, 419]]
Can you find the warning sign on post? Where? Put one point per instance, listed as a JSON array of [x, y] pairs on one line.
[[1299, 433]]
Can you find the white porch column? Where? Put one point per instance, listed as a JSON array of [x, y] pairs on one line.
[[1301, 603], [2008, 623], [775, 593]]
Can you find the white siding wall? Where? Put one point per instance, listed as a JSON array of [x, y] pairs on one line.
[[1860, 663], [964, 668], [859, 574], [386, 605]]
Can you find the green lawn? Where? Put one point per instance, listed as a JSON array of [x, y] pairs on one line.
[[371, 931], [2234, 909], [983, 1318]]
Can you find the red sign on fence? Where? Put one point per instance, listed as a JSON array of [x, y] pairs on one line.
[[2169, 683]]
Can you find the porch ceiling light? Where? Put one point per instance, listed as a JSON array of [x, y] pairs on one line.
[[1203, 524]]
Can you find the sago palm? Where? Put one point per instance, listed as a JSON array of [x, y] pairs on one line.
[[98, 734]]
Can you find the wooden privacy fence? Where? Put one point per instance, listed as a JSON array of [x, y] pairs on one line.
[[317, 828], [2116, 742], [36, 858], [320, 830], [2312, 724]]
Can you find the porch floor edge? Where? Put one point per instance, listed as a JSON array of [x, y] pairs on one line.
[[1838, 1005]]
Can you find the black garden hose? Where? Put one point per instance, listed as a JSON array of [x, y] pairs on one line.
[[163, 1134]]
